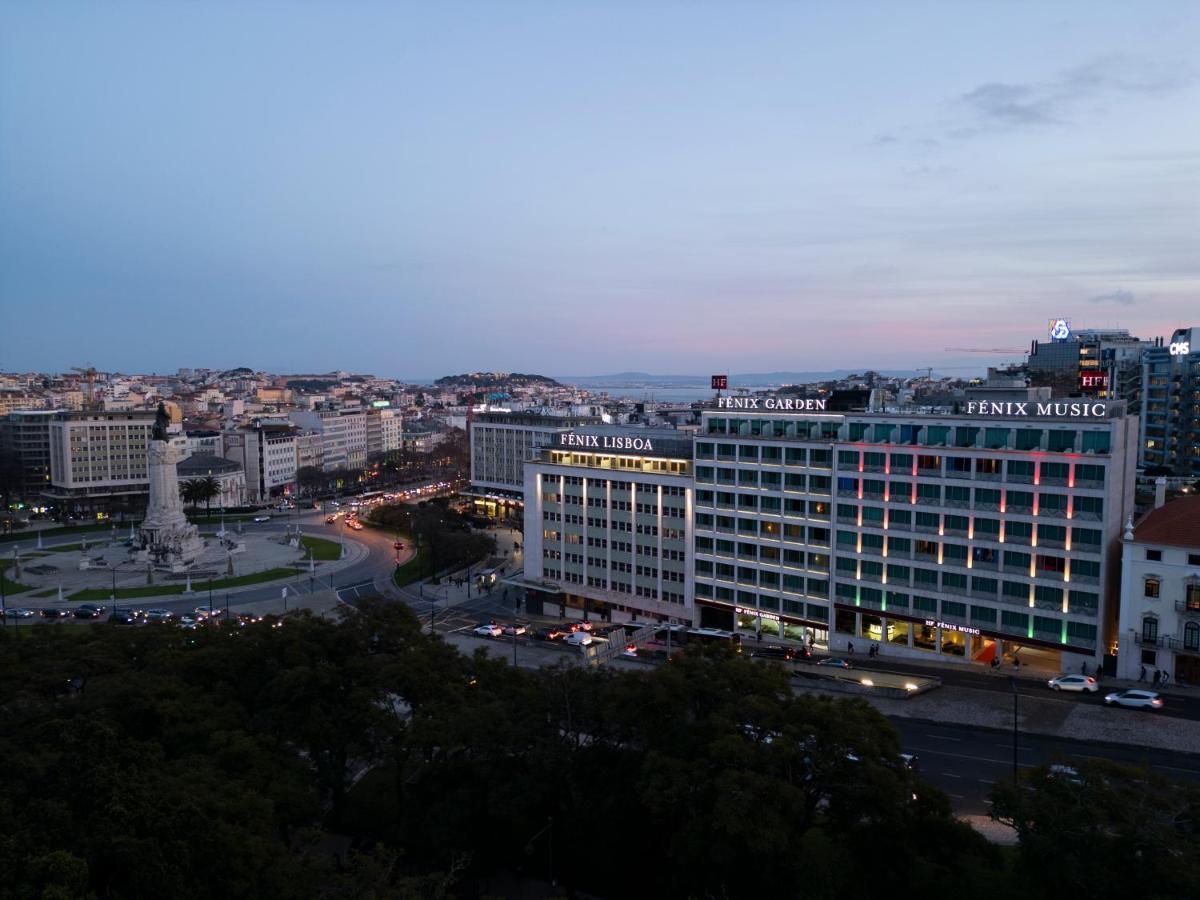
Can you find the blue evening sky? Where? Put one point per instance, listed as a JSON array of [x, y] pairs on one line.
[[588, 187]]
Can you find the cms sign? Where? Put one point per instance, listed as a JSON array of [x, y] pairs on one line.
[[1180, 348]]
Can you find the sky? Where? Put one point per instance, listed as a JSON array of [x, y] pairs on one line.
[[415, 189]]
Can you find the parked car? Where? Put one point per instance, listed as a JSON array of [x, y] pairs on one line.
[[630, 651], [1073, 683], [513, 628], [835, 662], [1135, 699], [488, 630]]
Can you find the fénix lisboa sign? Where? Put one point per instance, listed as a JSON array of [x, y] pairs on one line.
[[604, 441]]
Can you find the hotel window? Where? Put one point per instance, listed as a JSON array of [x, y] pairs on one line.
[[1193, 559], [747, 526], [984, 615], [872, 542], [966, 436], [704, 474], [1096, 442], [899, 518], [929, 493], [902, 462], [1029, 438], [1052, 504], [1149, 629], [952, 609], [1015, 560], [1051, 535], [1055, 564], [748, 453], [818, 537], [899, 574], [985, 586], [820, 459], [794, 482], [988, 529], [959, 464], [820, 484], [1015, 590], [770, 480], [817, 587], [938, 436], [958, 495], [987, 498], [1047, 626], [796, 456], [747, 478], [847, 539], [1083, 601], [1091, 507], [927, 521], [899, 546], [1060, 441], [929, 464], [873, 487], [704, 450], [925, 576], [1086, 539], [954, 554], [848, 458], [794, 507], [847, 566], [1154, 555], [901, 491], [771, 504], [1019, 501], [1191, 637], [874, 460], [704, 520], [924, 604], [1192, 596], [1014, 620], [771, 455], [1151, 588], [872, 515]]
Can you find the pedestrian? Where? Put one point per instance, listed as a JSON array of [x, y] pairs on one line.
[[1142, 674], [877, 648], [1083, 667], [811, 641], [1016, 663], [996, 661], [758, 635], [1157, 676], [871, 650], [850, 648], [1165, 678]]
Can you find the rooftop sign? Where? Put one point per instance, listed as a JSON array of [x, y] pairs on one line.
[[1060, 329], [773, 403], [1049, 410], [604, 441]]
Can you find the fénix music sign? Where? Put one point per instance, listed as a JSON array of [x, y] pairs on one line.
[[604, 441], [1051, 409], [790, 404]]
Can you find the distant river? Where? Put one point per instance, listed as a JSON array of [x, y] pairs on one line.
[[660, 394]]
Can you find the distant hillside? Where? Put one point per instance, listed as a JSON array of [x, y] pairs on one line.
[[494, 380], [753, 379]]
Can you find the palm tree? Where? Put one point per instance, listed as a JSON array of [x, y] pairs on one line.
[[189, 491], [207, 490]]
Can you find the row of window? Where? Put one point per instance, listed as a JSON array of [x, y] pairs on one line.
[[816, 589], [1059, 440]]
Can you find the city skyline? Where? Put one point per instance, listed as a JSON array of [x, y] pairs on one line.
[[412, 191]]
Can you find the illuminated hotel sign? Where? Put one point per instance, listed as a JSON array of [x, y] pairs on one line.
[[751, 611], [1060, 329], [1093, 381], [1016, 409], [604, 441], [788, 404], [720, 382], [1180, 348], [949, 626]]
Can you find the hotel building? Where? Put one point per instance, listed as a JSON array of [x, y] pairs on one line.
[[1171, 405], [98, 460], [608, 524], [960, 535], [500, 444]]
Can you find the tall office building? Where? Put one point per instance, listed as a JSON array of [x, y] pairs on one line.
[[98, 460], [1093, 362], [26, 433], [500, 444], [1170, 436]]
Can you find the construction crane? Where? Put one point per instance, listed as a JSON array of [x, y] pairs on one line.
[[89, 391]]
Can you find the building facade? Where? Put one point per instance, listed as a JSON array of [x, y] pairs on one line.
[[98, 461], [266, 452], [1170, 435], [26, 433], [383, 430], [1160, 594], [343, 435], [965, 536], [608, 524], [230, 479], [1101, 363]]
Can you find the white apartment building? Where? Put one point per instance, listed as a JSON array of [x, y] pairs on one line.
[[267, 454], [992, 530], [383, 430], [98, 460], [608, 517], [1160, 594], [343, 435]]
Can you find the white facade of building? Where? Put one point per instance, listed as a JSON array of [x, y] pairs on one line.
[[96, 455], [267, 454], [500, 444], [343, 435], [1160, 594]]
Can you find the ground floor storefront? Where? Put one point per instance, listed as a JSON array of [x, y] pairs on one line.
[[752, 623], [492, 505], [858, 630]]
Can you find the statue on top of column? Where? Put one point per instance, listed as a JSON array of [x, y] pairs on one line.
[[162, 421]]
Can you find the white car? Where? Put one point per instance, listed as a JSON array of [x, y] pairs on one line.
[[579, 639], [1135, 699], [262, 518], [159, 615], [1073, 683], [488, 630]]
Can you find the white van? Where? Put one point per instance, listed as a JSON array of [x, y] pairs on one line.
[[579, 639]]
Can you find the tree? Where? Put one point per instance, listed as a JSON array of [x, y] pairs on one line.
[[11, 476], [310, 479], [207, 490], [189, 490]]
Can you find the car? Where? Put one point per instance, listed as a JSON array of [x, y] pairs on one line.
[[579, 639], [88, 611], [630, 651], [262, 518], [771, 651], [549, 634], [187, 620], [1134, 699], [124, 617], [331, 520], [54, 612], [1062, 772], [357, 526], [580, 626], [1073, 683], [208, 612], [488, 630], [835, 662], [20, 612], [910, 761], [246, 618], [159, 615], [513, 629], [398, 545]]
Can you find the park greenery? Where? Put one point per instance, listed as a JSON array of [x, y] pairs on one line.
[[364, 758]]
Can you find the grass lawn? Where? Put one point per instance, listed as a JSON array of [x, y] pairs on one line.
[[157, 590], [10, 587], [411, 571], [321, 548], [49, 592], [31, 534]]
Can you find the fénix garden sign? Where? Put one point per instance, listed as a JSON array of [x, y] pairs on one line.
[[791, 404]]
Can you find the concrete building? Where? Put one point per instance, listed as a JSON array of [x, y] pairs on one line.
[[98, 461], [1089, 362], [1170, 435], [500, 444], [991, 531], [14, 400], [310, 450], [343, 435], [608, 524], [266, 451], [383, 430], [27, 434]]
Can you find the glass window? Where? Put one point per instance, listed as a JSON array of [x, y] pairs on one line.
[[1095, 442], [1151, 588], [1149, 629], [1060, 441], [1029, 438], [997, 438]]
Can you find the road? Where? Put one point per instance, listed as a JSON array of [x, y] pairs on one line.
[[966, 761]]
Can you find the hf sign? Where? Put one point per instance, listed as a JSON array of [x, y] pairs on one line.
[[1180, 348]]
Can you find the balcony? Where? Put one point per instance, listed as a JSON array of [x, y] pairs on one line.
[[1145, 641], [988, 476], [1183, 644], [956, 473], [1189, 607]]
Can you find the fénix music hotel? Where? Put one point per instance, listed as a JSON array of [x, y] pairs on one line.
[[991, 529]]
